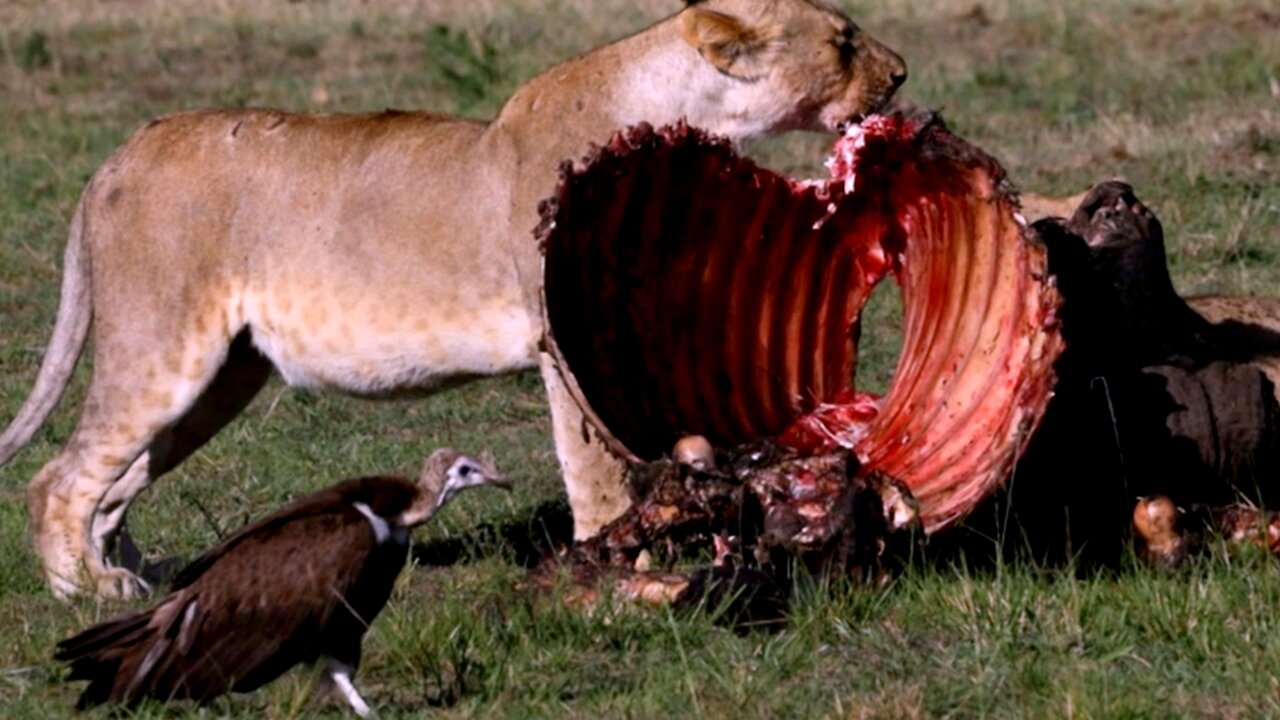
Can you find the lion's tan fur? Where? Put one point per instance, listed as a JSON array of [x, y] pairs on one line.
[[373, 254]]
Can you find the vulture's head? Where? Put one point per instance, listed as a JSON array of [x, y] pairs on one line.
[[444, 474]]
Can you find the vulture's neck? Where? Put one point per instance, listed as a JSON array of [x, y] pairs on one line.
[[390, 506], [384, 529]]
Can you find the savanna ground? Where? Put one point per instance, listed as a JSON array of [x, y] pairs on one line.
[[1181, 97]]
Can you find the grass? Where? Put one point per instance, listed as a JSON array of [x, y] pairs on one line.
[[1180, 97]]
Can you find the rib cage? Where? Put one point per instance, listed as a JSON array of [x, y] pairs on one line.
[[690, 291]]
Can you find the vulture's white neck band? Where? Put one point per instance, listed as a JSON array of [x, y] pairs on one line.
[[381, 529]]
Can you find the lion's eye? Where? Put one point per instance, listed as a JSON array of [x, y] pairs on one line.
[[847, 51], [844, 45]]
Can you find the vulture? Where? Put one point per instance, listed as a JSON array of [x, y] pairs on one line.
[[297, 586]]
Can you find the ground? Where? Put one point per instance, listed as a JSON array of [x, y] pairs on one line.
[[1181, 98]]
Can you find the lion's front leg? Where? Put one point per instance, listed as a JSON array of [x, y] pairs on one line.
[[594, 478]]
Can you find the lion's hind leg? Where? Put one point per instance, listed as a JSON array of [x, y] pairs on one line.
[[236, 383], [139, 392]]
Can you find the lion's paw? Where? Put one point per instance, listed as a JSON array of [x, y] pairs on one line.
[[120, 583]]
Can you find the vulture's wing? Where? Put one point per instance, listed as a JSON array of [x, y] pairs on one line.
[[257, 607], [320, 503]]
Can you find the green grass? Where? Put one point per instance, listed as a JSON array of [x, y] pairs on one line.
[[1179, 97]]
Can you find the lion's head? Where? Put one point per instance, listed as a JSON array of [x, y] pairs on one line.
[[818, 66]]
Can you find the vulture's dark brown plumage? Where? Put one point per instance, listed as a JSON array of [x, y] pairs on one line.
[[298, 585]]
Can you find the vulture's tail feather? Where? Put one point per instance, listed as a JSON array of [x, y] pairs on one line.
[[99, 653]]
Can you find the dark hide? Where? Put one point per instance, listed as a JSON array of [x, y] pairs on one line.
[[1148, 401]]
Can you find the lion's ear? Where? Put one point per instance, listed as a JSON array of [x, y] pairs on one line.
[[724, 40]]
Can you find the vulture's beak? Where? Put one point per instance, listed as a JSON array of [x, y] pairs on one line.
[[487, 475], [492, 475]]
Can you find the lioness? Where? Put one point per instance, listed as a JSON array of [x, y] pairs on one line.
[[375, 255]]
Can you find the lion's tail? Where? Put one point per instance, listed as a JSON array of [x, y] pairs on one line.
[[75, 311]]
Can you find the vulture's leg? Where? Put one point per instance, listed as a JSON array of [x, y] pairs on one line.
[[337, 677]]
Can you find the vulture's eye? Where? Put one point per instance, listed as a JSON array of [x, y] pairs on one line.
[[464, 471]]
